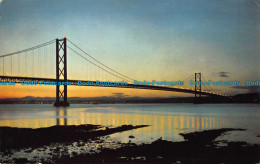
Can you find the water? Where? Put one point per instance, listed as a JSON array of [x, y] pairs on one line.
[[166, 120]]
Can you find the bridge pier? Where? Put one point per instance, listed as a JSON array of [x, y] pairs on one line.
[[65, 104], [61, 72], [197, 99]]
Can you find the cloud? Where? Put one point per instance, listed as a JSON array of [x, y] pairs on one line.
[[0, 4], [257, 3], [222, 74], [119, 94]]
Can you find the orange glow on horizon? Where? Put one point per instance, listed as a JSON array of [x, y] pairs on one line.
[[19, 91]]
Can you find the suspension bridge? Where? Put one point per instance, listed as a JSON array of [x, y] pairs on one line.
[[61, 60]]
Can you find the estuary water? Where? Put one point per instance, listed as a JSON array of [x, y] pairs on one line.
[[166, 120]]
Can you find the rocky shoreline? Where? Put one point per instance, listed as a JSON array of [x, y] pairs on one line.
[[90, 144]]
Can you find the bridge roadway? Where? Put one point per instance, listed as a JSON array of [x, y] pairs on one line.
[[18, 79]]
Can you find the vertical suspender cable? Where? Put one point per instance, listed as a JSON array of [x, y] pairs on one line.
[[45, 55], [3, 66], [25, 64], [11, 65], [38, 63], [32, 63]]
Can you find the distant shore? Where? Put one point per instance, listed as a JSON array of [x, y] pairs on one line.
[[240, 98]]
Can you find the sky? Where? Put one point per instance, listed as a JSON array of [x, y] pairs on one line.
[[143, 39]]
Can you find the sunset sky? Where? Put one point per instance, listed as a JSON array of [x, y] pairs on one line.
[[143, 39]]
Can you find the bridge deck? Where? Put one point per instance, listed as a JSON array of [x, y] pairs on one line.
[[18, 79]]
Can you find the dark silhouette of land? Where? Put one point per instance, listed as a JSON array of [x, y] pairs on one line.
[[16, 138], [198, 147]]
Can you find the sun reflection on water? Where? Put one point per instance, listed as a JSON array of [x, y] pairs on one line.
[[161, 124]]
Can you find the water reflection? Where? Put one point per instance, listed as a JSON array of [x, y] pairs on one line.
[[61, 116], [163, 125], [158, 122]]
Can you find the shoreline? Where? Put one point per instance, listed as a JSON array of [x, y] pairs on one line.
[[93, 145]]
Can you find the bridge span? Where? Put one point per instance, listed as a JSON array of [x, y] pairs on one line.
[[41, 60], [18, 79]]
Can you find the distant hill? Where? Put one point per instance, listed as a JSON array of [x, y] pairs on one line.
[[240, 98], [246, 98]]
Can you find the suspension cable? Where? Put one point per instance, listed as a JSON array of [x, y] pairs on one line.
[[96, 64], [28, 49], [99, 61]]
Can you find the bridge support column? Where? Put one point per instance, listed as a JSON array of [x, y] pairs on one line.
[[197, 99], [61, 72]]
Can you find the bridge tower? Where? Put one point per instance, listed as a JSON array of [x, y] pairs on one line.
[[197, 99], [61, 72]]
